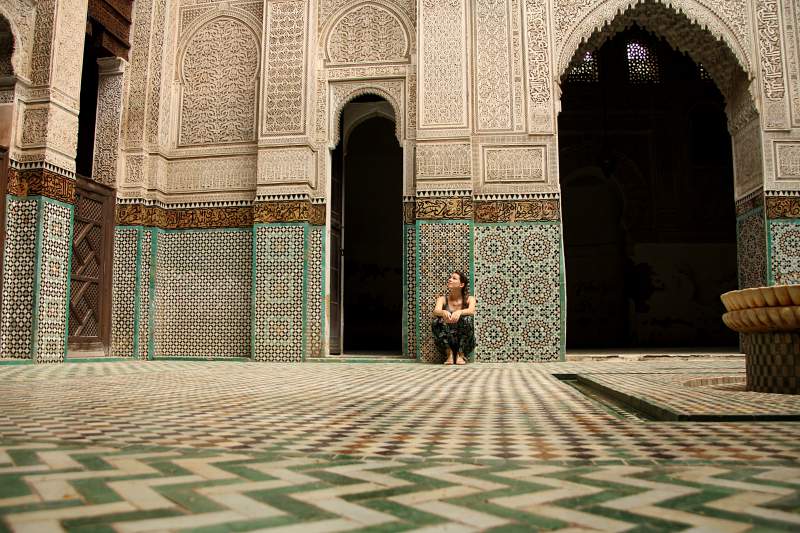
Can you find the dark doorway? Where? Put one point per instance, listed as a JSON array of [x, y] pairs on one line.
[[648, 201], [367, 196], [93, 231]]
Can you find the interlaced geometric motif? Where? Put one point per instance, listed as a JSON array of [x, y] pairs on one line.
[[517, 268], [785, 252], [278, 310], [18, 273], [202, 291], [123, 307], [54, 280], [315, 312], [410, 337], [751, 249], [443, 249]]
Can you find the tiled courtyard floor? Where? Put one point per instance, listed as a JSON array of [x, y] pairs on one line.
[[212, 446]]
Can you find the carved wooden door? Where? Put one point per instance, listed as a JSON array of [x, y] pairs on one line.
[[337, 204], [90, 293]]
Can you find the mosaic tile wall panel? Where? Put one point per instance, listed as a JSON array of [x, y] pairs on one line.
[[202, 293], [54, 279], [279, 303], [784, 252], [751, 249], [518, 273], [19, 261], [410, 292], [123, 306], [315, 311], [441, 248], [146, 284]]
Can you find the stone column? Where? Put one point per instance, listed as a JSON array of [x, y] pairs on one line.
[[41, 189], [105, 168]]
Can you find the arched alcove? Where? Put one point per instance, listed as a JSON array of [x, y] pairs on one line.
[[219, 82], [647, 183]]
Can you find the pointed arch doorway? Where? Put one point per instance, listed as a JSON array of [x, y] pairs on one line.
[[648, 191], [366, 231]]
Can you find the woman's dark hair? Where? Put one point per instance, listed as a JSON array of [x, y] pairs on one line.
[[465, 288]]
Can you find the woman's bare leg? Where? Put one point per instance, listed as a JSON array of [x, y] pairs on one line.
[[449, 360]]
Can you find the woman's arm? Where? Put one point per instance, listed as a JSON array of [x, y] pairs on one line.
[[439, 310], [470, 310]]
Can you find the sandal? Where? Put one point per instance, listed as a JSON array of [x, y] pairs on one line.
[[449, 360], [461, 360]]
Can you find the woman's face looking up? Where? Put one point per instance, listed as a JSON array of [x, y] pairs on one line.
[[454, 281]]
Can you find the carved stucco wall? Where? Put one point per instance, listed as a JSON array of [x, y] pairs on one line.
[[483, 76], [218, 76], [21, 17]]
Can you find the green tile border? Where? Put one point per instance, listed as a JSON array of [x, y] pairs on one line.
[[37, 268]]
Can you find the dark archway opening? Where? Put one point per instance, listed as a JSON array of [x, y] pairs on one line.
[[648, 201], [369, 160]]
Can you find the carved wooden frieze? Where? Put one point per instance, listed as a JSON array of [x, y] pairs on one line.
[[316, 216], [189, 218], [281, 211], [783, 207], [458, 208], [41, 182], [517, 210]]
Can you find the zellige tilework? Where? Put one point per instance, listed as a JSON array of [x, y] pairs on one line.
[[202, 291], [19, 261], [315, 312], [441, 249], [751, 249], [784, 257], [53, 281], [123, 307], [517, 268], [279, 292]]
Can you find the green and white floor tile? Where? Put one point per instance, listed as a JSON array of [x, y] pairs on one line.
[[204, 446]]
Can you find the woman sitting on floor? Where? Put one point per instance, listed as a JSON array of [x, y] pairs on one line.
[[453, 328]]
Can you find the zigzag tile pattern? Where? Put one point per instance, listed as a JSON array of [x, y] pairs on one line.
[[51, 487], [194, 446]]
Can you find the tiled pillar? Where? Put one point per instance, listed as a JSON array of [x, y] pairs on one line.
[[287, 278], [41, 189], [409, 280], [36, 266], [751, 241]]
